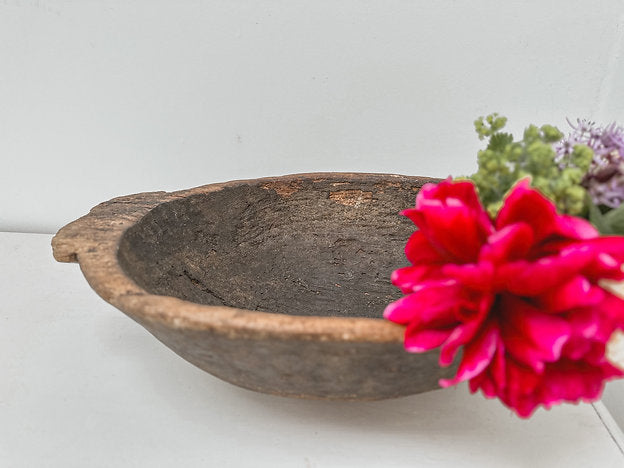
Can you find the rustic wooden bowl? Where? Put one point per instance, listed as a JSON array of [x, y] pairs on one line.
[[277, 285]]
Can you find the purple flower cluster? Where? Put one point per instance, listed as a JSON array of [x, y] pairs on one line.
[[605, 178]]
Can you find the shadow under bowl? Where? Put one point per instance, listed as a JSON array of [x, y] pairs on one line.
[[277, 284]]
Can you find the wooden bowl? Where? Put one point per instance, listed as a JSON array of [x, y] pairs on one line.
[[277, 284]]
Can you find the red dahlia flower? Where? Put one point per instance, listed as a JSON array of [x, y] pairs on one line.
[[520, 295]]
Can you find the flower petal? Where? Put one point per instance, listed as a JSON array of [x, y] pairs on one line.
[[510, 243], [419, 250], [462, 190], [410, 278], [612, 310], [604, 266], [417, 341], [484, 382], [575, 228], [612, 245], [433, 304], [577, 348], [585, 323], [498, 369], [577, 292], [477, 356], [523, 351], [452, 230], [524, 204], [531, 336], [475, 276], [526, 278], [447, 209], [462, 334], [572, 381]]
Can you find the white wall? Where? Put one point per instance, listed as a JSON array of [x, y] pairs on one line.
[[104, 98]]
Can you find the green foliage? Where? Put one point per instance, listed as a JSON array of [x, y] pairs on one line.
[[608, 221], [499, 141], [614, 220], [505, 161], [597, 218], [490, 125], [581, 157]]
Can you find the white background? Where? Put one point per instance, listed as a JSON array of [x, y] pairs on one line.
[[104, 98]]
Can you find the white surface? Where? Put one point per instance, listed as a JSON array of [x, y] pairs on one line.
[[613, 398], [83, 385], [105, 98], [611, 424]]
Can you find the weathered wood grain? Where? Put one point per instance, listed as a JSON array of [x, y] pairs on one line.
[[273, 284]]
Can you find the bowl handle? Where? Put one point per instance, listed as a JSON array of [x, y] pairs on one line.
[[105, 222]]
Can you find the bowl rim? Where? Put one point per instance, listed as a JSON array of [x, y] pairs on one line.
[[93, 241]]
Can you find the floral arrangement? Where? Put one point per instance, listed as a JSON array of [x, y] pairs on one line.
[[516, 264]]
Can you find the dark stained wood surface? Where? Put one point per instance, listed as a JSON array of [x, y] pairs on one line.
[[273, 284], [316, 248]]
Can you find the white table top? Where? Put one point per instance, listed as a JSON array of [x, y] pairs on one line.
[[83, 385]]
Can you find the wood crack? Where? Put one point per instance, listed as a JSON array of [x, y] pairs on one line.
[[203, 287]]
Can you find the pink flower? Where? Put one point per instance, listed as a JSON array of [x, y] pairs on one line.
[[519, 295]]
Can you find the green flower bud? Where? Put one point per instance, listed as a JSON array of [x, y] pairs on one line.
[[551, 134], [575, 200], [582, 157], [572, 175], [540, 157], [489, 125], [531, 134]]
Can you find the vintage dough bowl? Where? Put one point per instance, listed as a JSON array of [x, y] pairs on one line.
[[277, 284]]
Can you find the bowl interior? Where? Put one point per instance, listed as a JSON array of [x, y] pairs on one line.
[[322, 247]]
